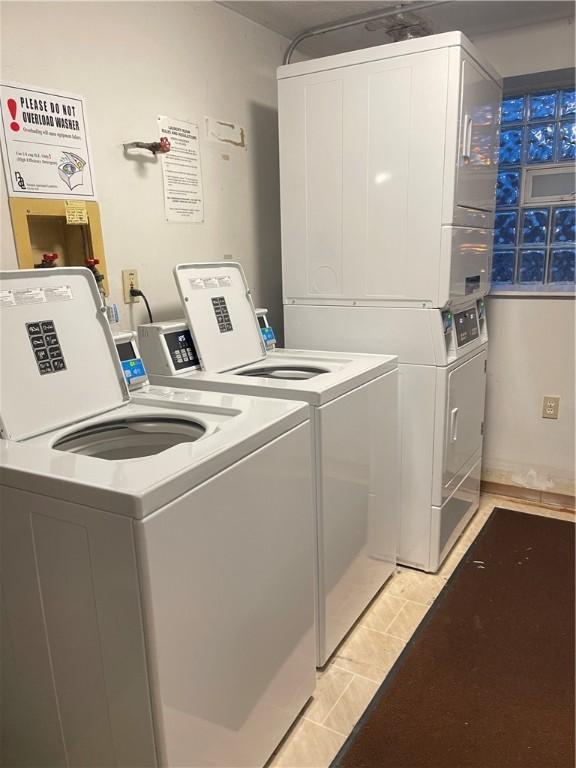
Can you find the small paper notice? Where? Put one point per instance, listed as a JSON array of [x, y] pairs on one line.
[[7, 299], [76, 212], [183, 194], [58, 293]]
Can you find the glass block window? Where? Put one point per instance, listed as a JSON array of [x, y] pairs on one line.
[[510, 146], [508, 188], [562, 264], [540, 143], [534, 244], [531, 267], [535, 226], [567, 140]]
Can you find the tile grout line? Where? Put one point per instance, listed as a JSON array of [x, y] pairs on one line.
[[326, 727], [348, 684], [365, 626], [362, 677]]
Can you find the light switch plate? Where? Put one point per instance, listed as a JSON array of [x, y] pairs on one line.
[[550, 407]]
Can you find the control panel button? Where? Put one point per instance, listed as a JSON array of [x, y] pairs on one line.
[[44, 343], [45, 367]]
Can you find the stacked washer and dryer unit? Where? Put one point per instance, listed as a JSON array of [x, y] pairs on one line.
[[388, 170]]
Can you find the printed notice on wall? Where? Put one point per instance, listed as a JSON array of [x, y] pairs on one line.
[[183, 195], [45, 143]]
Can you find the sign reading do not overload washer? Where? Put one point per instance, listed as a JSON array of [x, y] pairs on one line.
[[45, 144]]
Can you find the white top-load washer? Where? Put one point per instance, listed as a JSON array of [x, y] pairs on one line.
[[157, 563], [354, 425]]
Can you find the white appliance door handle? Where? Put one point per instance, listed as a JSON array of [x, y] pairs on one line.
[[454, 424], [467, 139]]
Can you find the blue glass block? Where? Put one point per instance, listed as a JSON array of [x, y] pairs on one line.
[[562, 265], [567, 139], [531, 268], [511, 146], [564, 227], [505, 226], [535, 226], [568, 102], [542, 106], [512, 110], [503, 266], [540, 143], [508, 188]]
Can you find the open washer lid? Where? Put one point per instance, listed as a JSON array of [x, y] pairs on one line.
[[220, 315], [58, 362]]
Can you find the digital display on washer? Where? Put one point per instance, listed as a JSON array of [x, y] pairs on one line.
[[466, 324], [132, 365], [181, 349], [126, 351]]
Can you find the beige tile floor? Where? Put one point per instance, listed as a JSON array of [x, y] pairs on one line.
[[347, 684]]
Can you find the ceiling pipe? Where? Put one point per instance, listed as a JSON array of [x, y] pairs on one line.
[[352, 21]]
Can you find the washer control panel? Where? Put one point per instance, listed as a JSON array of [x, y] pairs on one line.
[[466, 324], [463, 328], [181, 349], [222, 314], [266, 329], [132, 365], [46, 346]]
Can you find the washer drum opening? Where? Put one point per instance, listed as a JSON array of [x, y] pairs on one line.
[[130, 438], [283, 372]]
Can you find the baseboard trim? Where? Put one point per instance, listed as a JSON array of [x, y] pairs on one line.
[[531, 495]]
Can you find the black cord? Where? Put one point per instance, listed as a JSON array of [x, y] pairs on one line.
[[138, 292]]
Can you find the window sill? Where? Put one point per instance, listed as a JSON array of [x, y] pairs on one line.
[[523, 294]]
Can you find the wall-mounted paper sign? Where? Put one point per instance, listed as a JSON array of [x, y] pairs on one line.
[[45, 144], [183, 193]]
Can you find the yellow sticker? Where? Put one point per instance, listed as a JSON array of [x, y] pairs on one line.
[[76, 212]]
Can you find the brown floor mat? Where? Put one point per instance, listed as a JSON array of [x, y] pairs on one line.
[[488, 679]]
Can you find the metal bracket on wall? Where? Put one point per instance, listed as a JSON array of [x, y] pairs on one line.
[[353, 21]]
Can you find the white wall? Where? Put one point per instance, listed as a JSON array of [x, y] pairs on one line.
[[530, 355], [535, 48], [531, 350], [134, 61]]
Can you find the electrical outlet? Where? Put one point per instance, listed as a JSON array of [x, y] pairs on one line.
[[130, 280], [550, 407]]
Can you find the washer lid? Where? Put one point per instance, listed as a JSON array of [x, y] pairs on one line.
[[58, 363], [220, 314]]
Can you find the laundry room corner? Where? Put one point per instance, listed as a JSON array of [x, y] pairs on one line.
[[532, 351]]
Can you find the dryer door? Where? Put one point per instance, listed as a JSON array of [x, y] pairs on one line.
[[464, 417], [478, 145]]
